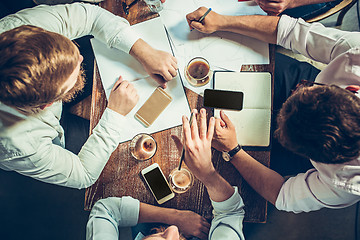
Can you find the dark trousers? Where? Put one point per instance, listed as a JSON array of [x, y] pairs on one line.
[[76, 128], [288, 73]]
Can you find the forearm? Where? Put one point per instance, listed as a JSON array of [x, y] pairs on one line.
[[263, 180], [149, 213], [139, 49], [218, 188], [260, 27]]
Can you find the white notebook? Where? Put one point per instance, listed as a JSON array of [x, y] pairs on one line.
[[253, 122]]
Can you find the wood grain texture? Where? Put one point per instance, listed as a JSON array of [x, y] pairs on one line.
[[121, 175], [82, 109]]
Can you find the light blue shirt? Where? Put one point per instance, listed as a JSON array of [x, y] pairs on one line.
[[111, 213]]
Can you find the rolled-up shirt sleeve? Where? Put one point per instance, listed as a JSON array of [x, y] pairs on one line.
[[74, 21], [314, 40], [228, 218], [308, 192], [109, 214]]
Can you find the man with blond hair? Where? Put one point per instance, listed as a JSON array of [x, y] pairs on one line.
[[40, 68]]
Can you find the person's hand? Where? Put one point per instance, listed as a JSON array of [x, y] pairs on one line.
[[210, 24], [274, 7], [197, 143], [123, 97], [160, 65], [191, 224], [224, 136]]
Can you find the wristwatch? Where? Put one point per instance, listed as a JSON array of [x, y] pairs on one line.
[[227, 156]]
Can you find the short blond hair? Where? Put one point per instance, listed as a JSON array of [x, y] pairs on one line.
[[34, 64]]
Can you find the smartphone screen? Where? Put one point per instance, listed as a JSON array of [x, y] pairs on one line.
[[157, 183], [223, 99]]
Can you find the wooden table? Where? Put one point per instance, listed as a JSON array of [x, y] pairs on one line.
[[121, 175]]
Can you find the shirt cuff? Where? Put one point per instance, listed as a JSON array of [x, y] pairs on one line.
[[130, 209], [229, 203], [126, 39], [123, 211]]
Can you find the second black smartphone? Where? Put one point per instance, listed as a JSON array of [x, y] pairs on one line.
[[223, 99]]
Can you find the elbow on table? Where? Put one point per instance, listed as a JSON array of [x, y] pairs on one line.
[[85, 182]]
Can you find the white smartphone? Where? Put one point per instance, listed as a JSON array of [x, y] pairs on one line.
[[157, 183]]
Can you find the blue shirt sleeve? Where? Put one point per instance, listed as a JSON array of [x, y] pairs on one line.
[[109, 214], [228, 218]]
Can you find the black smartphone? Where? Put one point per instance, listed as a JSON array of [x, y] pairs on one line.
[[223, 99], [157, 183]]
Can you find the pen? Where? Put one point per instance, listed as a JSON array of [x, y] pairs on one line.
[[203, 17], [134, 80], [183, 149]]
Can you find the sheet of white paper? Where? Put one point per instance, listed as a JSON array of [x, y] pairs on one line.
[[224, 50], [252, 123], [252, 126], [112, 63], [256, 87]]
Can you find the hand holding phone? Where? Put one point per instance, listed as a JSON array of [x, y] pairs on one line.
[[157, 183]]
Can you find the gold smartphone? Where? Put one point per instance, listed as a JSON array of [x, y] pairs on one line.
[[152, 108]]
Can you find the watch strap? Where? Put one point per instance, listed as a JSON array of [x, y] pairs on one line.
[[234, 151]]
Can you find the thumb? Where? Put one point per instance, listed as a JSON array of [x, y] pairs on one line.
[[226, 119], [117, 83]]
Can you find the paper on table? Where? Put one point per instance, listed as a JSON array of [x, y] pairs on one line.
[[252, 123], [112, 63], [224, 50]]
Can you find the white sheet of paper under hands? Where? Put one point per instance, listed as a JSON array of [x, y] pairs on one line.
[[113, 63]]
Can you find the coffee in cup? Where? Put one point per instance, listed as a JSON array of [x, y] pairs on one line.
[[197, 72], [181, 180], [143, 147]]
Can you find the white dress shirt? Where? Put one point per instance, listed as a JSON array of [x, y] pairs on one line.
[[109, 214], [34, 145], [327, 185]]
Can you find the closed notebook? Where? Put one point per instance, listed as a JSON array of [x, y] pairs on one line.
[[253, 122]]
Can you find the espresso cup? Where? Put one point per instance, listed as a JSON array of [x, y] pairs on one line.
[[197, 72], [181, 180], [143, 147]]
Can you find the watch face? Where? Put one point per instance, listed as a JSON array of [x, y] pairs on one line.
[[226, 156]]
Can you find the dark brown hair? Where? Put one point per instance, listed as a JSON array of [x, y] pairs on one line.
[[321, 123], [34, 65]]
